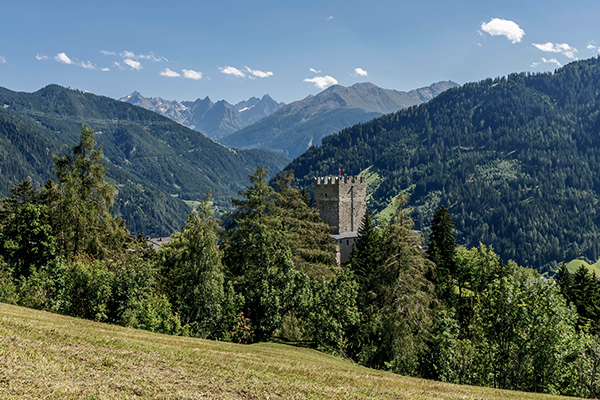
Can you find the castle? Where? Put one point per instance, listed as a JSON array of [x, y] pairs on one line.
[[341, 202]]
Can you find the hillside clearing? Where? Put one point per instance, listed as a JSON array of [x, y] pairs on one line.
[[44, 355], [574, 265]]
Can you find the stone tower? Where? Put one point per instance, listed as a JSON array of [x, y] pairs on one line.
[[341, 202]]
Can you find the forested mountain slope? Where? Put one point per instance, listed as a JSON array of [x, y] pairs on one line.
[[295, 127], [151, 159], [515, 159]]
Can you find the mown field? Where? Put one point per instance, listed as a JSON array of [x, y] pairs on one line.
[[45, 355], [574, 265]]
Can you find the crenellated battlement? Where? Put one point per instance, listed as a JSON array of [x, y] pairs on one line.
[[336, 180]]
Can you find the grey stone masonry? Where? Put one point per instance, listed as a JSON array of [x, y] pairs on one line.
[[341, 202]]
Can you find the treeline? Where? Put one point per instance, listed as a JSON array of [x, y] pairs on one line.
[[513, 158], [268, 272]]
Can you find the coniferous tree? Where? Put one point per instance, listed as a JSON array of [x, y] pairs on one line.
[[365, 257], [564, 279], [406, 297], [81, 202], [442, 249], [304, 232], [246, 229], [193, 273], [258, 261], [586, 297]]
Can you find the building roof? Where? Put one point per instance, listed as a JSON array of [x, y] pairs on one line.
[[347, 235], [157, 242]]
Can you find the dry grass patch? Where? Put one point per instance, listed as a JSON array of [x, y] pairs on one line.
[[45, 355]]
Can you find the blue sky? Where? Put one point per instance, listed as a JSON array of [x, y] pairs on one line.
[[233, 50]]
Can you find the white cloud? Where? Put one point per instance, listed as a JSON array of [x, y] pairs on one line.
[[503, 27], [63, 58], [132, 56], [127, 54], [322, 82], [232, 71], [258, 73], [191, 74], [314, 70], [591, 47], [169, 73], [562, 48], [133, 64], [105, 69], [360, 72], [41, 57], [547, 61], [2, 60], [330, 18], [108, 53], [552, 61], [86, 65]]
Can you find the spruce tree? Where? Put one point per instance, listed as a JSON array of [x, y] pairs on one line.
[[366, 254], [404, 296], [586, 296], [564, 279], [81, 202], [259, 262], [193, 274], [441, 250], [246, 229], [304, 232]]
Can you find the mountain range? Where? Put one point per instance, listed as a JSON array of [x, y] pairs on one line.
[[515, 160], [215, 120], [295, 127], [155, 163]]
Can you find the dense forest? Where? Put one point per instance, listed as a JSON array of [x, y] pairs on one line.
[[154, 162], [513, 158], [267, 271]]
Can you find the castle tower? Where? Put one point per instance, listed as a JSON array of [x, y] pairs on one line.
[[341, 202]]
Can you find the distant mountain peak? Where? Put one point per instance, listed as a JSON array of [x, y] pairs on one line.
[[213, 119]]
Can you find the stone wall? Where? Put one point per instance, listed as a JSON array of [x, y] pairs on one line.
[[341, 202]]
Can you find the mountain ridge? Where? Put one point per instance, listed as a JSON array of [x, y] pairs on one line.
[[295, 127], [514, 160], [154, 162], [215, 120]]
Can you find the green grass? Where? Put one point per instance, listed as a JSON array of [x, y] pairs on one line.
[[574, 265], [373, 180], [387, 213], [196, 203], [45, 355]]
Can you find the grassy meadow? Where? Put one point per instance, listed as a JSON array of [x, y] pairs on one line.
[[574, 265], [44, 355]]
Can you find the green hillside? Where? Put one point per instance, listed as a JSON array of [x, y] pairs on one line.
[[45, 355], [574, 265], [154, 162], [514, 159]]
